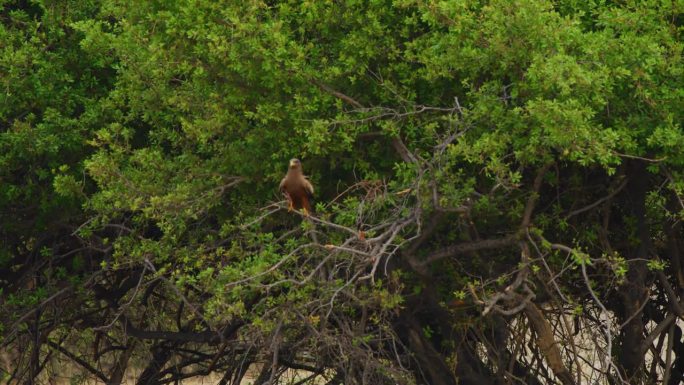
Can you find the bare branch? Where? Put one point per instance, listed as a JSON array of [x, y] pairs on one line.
[[84, 364], [532, 200], [598, 202], [462, 248], [336, 94]]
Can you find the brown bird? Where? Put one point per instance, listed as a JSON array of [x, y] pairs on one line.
[[297, 189]]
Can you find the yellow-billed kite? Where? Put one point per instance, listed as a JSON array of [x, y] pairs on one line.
[[297, 189]]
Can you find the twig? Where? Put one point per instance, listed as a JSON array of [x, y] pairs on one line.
[[598, 202]]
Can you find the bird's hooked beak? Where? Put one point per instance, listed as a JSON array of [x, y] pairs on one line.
[[294, 163]]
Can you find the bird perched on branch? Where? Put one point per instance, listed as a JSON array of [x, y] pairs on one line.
[[297, 189]]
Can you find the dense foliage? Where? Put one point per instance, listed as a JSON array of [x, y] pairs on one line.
[[499, 191]]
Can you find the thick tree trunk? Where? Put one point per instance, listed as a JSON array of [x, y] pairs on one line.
[[634, 292], [547, 343], [470, 370], [150, 376], [431, 363], [117, 373], [34, 364], [431, 367]]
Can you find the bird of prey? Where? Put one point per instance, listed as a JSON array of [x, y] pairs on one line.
[[297, 189]]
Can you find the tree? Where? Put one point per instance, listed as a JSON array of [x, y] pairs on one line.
[[499, 192]]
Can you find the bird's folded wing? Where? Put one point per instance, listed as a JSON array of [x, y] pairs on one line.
[[308, 187]]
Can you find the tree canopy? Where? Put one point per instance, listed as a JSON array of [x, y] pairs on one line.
[[499, 191]]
